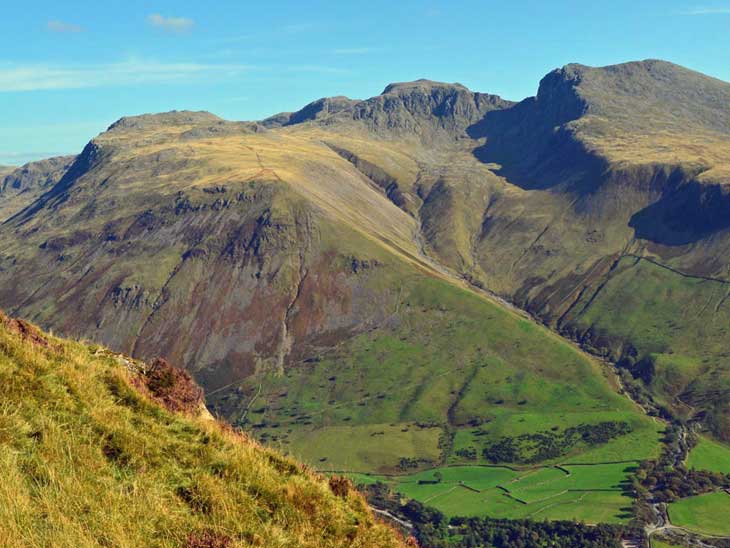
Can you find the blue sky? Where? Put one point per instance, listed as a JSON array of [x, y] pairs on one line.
[[68, 69]]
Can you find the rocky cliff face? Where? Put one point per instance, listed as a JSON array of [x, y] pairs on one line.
[[432, 111], [424, 110]]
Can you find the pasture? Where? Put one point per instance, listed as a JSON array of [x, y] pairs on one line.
[[705, 514], [710, 455], [590, 493]]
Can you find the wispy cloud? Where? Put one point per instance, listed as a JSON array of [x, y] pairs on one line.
[[171, 24], [356, 51], [62, 27], [707, 11], [130, 72]]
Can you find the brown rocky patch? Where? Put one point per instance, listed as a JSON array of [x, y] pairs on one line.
[[340, 486], [172, 387], [25, 330]]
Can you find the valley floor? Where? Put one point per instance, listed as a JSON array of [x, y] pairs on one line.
[[589, 493]]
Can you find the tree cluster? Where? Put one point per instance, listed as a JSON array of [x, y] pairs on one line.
[[542, 446], [668, 484]]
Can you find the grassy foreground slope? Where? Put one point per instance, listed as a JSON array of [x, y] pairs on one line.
[[90, 457]]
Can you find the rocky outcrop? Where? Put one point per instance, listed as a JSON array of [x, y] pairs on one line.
[[432, 111], [25, 330], [21, 186], [316, 110], [424, 110]]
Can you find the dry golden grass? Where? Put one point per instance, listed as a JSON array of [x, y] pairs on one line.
[[299, 160], [702, 149], [88, 461]]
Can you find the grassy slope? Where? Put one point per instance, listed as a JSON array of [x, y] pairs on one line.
[[680, 322], [703, 514], [449, 358], [88, 461], [660, 321]]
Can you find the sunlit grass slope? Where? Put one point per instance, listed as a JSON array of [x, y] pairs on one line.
[[710, 455], [703, 514], [88, 460]]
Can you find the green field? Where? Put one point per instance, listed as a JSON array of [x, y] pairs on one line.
[[710, 455], [706, 514], [591, 493]]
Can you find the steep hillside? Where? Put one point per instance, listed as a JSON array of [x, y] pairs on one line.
[[19, 187], [101, 450], [234, 233]]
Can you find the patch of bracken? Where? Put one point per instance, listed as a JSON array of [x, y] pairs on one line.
[[174, 388], [25, 330], [208, 539], [340, 486]]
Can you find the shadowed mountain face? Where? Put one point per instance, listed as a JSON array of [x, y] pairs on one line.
[[349, 240]]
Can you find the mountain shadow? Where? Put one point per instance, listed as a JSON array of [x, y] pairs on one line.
[[685, 215]]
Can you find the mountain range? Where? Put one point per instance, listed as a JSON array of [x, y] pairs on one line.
[[380, 268]]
